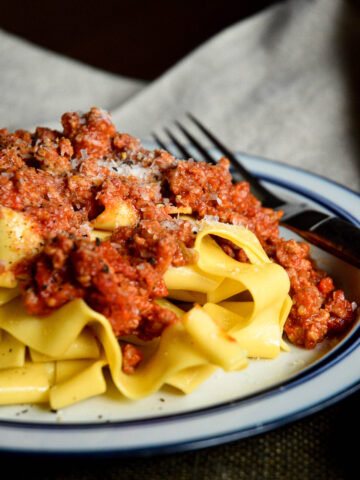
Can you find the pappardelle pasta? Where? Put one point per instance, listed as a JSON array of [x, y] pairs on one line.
[[109, 263], [69, 348]]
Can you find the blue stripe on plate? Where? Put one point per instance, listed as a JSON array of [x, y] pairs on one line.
[[328, 204], [285, 166]]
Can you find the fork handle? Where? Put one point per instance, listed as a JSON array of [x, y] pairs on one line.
[[337, 236]]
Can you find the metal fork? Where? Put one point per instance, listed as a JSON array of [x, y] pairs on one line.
[[337, 236]]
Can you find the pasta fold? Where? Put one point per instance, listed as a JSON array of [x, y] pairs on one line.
[[18, 239], [116, 215], [60, 359]]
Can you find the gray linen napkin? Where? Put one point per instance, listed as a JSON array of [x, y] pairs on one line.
[[37, 86], [282, 84]]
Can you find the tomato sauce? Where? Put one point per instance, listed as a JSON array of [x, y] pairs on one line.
[[64, 179]]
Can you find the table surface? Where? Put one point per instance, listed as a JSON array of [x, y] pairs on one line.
[[319, 446]]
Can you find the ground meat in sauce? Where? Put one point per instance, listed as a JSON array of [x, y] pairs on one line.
[[132, 356], [108, 276], [64, 179]]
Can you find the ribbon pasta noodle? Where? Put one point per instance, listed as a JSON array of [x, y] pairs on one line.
[[125, 265], [60, 359]]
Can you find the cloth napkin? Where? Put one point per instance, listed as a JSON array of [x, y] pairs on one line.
[[282, 84]]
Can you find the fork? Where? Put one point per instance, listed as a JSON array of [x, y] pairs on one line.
[[335, 235]]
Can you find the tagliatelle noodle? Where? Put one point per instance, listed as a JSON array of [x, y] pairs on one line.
[[18, 238], [256, 325], [68, 350], [116, 215]]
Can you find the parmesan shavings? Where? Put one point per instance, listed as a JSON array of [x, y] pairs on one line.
[[125, 170]]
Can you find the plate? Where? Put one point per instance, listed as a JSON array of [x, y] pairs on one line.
[[228, 406]]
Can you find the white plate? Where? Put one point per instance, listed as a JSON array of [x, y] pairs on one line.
[[267, 394]]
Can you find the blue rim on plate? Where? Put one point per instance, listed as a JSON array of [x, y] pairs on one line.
[[274, 174]]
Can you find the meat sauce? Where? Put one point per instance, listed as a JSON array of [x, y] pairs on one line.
[[64, 179]]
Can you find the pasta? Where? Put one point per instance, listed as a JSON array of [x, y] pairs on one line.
[[106, 264], [69, 348]]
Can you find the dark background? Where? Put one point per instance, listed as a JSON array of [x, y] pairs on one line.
[[135, 38]]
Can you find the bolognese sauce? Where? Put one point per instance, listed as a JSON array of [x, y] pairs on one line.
[[63, 180]]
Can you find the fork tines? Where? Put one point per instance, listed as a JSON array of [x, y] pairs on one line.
[[185, 152], [194, 145], [199, 147]]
